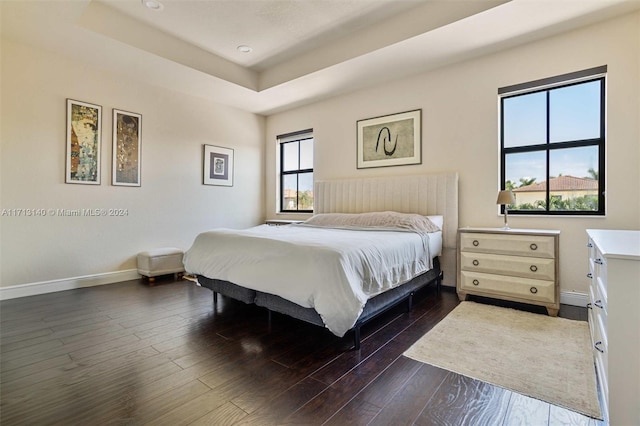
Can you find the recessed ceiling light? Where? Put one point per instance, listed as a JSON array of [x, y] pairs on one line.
[[245, 49], [153, 5]]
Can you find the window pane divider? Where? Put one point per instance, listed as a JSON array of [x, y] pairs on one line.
[[297, 172]]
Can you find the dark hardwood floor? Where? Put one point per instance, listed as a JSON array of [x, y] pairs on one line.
[[129, 354]]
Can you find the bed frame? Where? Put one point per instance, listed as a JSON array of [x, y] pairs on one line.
[[432, 194]]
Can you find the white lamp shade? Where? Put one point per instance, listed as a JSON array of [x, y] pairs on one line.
[[506, 197]]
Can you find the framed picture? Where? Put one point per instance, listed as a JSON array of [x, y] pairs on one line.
[[218, 166], [127, 148], [84, 139], [390, 140]]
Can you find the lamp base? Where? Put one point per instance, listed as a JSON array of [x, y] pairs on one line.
[[506, 215]]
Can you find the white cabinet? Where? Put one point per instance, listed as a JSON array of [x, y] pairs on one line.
[[520, 265], [614, 320]]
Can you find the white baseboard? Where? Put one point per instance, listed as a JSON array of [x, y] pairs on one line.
[[32, 289], [43, 287], [574, 298]]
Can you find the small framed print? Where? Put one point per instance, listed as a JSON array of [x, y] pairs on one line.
[[127, 148], [390, 140], [218, 166], [84, 139]]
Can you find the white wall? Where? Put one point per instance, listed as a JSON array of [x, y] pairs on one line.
[[460, 130], [170, 207]]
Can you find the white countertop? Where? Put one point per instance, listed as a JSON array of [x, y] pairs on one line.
[[623, 244]]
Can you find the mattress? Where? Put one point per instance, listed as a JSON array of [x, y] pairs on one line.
[[334, 271]]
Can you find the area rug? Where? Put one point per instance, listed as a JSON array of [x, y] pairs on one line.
[[547, 358]]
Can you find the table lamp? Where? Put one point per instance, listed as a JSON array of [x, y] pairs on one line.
[[504, 199]]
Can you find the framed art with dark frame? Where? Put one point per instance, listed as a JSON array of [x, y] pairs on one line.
[[390, 140], [218, 166], [127, 148], [84, 140]]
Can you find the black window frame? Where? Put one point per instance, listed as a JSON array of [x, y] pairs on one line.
[[283, 140], [548, 85]]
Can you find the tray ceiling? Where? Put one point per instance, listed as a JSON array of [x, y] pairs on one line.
[[302, 50]]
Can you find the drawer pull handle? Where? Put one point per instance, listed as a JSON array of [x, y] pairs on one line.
[[599, 342], [533, 268], [533, 290], [589, 245], [475, 262], [533, 246], [598, 303], [476, 243], [598, 261], [589, 305], [476, 282], [589, 275]]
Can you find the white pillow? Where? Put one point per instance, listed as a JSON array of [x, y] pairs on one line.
[[379, 220], [437, 220]]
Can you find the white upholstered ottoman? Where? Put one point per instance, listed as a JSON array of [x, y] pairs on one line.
[[162, 261]]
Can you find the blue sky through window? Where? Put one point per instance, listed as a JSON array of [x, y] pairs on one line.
[[572, 161], [574, 114]]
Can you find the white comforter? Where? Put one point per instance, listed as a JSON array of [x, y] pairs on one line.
[[333, 271]]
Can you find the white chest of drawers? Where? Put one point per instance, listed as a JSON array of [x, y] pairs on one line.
[[614, 320], [520, 265]]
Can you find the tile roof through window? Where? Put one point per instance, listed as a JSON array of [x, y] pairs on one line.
[[562, 183]]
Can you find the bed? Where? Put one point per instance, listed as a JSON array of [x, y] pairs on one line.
[[333, 273]]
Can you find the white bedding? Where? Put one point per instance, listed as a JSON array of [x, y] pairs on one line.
[[333, 271]]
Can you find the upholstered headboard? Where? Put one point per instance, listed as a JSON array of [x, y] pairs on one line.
[[428, 194]]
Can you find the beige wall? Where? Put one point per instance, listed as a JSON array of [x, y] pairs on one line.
[[460, 130], [170, 207]]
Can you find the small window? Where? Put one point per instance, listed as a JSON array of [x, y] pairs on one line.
[[552, 144], [296, 172]]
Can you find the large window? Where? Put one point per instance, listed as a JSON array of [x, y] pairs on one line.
[[296, 171], [552, 144]]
